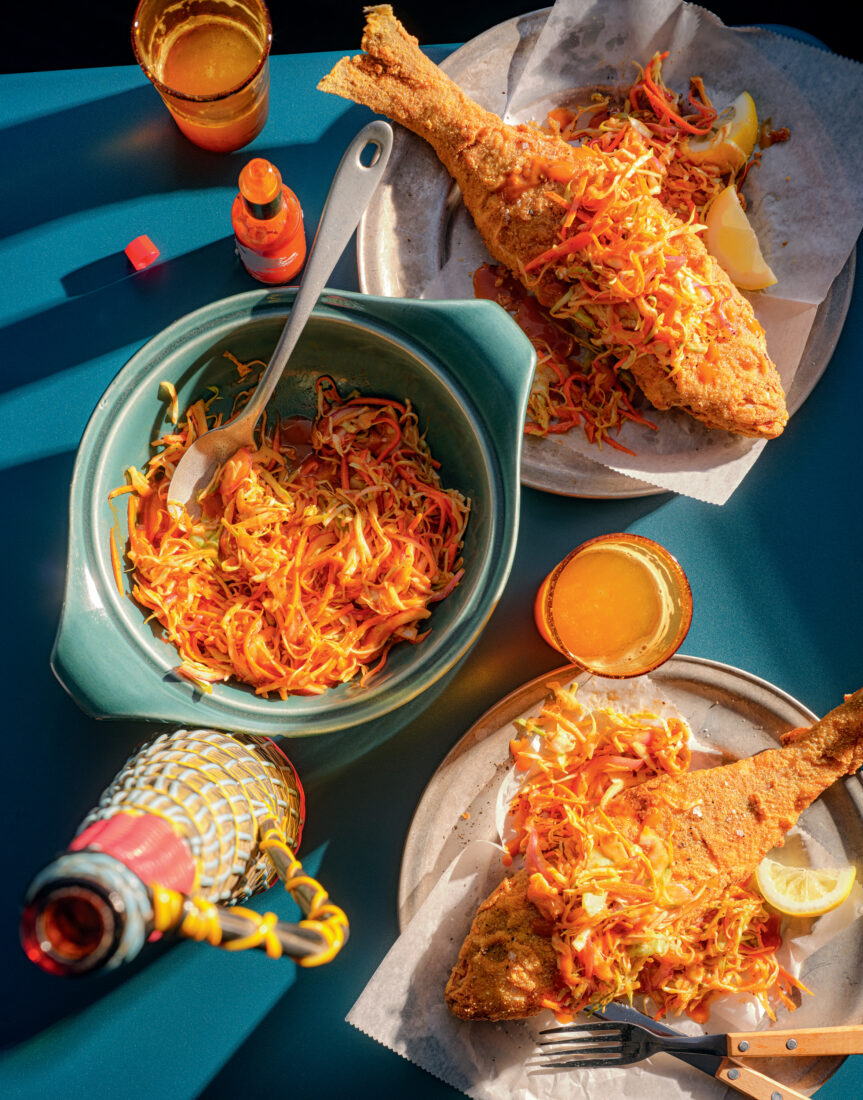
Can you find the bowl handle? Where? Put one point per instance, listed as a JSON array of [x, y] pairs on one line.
[[99, 668], [87, 655]]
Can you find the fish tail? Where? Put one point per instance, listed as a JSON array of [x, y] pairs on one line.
[[395, 78], [836, 741]]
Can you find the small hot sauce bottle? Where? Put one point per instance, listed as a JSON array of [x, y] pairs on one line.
[[268, 224]]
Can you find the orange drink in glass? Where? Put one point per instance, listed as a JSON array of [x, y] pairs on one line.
[[618, 605], [209, 61]]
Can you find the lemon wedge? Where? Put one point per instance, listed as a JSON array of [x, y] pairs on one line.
[[730, 144], [731, 239], [803, 891]]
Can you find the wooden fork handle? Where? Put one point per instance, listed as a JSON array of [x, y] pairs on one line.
[[750, 1082], [797, 1041]]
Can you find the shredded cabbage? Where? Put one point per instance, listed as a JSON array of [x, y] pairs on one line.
[[622, 927], [298, 575], [631, 283]]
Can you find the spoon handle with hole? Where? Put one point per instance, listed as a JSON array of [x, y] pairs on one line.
[[351, 189]]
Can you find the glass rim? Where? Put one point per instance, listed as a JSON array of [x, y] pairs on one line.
[[674, 567], [166, 89]]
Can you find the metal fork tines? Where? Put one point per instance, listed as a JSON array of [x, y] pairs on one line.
[[610, 1043]]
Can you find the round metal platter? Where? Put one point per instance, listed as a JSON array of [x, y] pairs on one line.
[[405, 234], [734, 711]]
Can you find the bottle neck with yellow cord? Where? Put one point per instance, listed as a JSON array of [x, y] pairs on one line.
[[195, 819]]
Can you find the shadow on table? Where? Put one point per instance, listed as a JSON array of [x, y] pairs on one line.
[[166, 1021], [133, 307], [163, 1024], [138, 152], [132, 149]]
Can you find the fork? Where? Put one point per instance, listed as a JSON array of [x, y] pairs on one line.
[[609, 1043], [624, 1043], [619, 1043]]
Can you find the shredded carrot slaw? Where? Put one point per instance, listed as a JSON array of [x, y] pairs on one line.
[[571, 385], [623, 928], [664, 123], [298, 575], [633, 285]]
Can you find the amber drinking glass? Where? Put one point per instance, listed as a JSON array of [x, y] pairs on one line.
[[618, 605], [209, 61]]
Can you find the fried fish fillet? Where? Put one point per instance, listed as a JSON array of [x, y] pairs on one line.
[[722, 823], [732, 384]]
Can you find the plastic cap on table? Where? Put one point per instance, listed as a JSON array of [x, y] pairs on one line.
[[141, 252]]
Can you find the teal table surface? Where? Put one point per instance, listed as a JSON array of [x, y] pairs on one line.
[[92, 160]]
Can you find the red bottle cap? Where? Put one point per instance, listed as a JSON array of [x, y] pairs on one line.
[[142, 252], [146, 844]]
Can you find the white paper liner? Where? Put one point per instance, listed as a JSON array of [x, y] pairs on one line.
[[403, 1007], [805, 199]]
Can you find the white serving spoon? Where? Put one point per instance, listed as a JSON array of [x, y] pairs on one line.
[[350, 191]]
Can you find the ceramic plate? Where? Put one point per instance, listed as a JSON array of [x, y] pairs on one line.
[[417, 192], [735, 712]]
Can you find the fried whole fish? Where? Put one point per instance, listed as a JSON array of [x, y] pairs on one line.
[[710, 359], [722, 822]]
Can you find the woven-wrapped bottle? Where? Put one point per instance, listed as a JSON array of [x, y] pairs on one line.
[[186, 812]]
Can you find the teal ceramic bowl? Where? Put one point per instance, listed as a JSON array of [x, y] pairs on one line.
[[466, 368]]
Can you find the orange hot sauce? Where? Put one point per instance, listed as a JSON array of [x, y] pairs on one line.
[[268, 224], [619, 605]]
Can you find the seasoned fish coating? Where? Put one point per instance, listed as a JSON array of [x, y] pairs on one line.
[[727, 819], [722, 822], [511, 178], [507, 963]]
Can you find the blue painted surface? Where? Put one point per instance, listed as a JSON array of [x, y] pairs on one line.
[[91, 161]]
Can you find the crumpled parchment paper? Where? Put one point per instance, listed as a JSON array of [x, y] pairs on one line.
[[805, 200], [403, 1007]]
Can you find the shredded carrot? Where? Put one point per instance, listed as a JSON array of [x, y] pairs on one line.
[[622, 926], [686, 185], [298, 575], [665, 104], [572, 384], [633, 284], [116, 566]]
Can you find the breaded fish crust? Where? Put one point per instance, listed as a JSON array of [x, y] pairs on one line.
[[507, 964], [732, 385], [722, 822]]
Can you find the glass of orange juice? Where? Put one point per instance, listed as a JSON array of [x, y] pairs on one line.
[[618, 605], [209, 61]]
